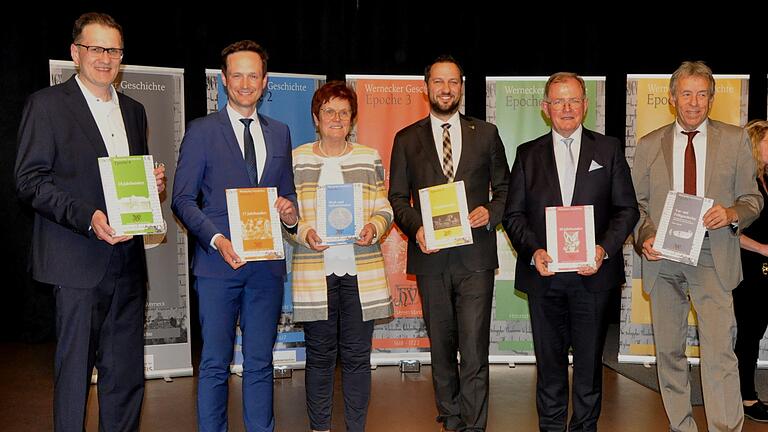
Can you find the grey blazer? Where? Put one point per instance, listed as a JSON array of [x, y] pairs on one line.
[[729, 181]]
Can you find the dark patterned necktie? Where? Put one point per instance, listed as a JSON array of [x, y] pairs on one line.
[[250, 152], [447, 153]]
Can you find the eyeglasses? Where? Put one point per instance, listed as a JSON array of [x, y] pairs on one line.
[[331, 113], [558, 104], [115, 53]]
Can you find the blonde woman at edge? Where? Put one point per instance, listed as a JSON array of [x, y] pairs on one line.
[[339, 291]]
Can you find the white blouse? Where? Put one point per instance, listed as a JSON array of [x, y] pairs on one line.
[[338, 259]]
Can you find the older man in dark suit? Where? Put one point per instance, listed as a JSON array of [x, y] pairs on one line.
[[570, 165], [456, 284], [99, 279]]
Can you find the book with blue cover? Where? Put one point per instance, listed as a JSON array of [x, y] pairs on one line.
[[339, 213]]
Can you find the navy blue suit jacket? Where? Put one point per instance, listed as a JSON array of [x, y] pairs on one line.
[[210, 161], [534, 186], [57, 173]]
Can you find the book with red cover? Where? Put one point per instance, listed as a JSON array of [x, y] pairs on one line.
[[570, 237]]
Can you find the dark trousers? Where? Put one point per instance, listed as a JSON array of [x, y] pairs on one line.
[[457, 312], [567, 315], [102, 326], [749, 301], [346, 334], [256, 298]]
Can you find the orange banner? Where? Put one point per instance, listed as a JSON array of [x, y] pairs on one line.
[[384, 106]]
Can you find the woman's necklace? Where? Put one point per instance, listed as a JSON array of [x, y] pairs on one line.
[[324, 154]]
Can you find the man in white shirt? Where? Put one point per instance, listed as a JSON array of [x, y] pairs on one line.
[[99, 278], [698, 156], [570, 166]]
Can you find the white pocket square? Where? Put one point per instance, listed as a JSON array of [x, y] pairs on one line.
[[594, 166]]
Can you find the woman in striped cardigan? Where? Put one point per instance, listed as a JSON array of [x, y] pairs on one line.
[[339, 290]]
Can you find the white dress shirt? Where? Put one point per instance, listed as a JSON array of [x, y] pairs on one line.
[[678, 157], [567, 179], [109, 120], [455, 133], [256, 133]]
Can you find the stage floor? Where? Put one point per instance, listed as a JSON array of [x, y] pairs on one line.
[[400, 402]]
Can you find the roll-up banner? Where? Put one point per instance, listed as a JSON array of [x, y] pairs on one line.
[[386, 104], [167, 350], [648, 109], [513, 104], [287, 98]]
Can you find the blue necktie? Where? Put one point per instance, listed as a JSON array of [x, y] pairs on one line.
[[250, 152]]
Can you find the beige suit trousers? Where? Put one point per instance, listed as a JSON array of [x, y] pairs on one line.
[[676, 286]]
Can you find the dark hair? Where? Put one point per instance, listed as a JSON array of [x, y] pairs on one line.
[[445, 58], [94, 18], [244, 45], [334, 90]]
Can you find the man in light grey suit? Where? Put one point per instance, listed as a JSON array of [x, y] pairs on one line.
[[708, 158]]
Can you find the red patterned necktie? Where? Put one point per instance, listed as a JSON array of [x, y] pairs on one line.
[[689, 176]]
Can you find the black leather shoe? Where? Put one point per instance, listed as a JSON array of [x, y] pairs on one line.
[[757, 412]]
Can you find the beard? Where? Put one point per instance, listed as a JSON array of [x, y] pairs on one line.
[[438, 109]]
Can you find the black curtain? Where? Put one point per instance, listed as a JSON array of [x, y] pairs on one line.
[[364, 37]]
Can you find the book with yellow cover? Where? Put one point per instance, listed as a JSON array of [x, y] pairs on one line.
[[445, 216], [254, 224]]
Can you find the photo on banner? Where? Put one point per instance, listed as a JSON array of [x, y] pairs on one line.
[[513, 104], [287, 98], [648, 109], [167, 351]]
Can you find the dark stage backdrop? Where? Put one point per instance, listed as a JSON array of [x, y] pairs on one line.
[[357, 37]]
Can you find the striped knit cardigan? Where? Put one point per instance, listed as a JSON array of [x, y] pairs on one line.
[[310, 299]]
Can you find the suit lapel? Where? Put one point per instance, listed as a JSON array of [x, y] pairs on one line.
[[547, 165], [83, 116], [586, 155], [427, 142], [667, 143], [231, 141], [132, 133], [467, 145], [713, 145], [266, 130]]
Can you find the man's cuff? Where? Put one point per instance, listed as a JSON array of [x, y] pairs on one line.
[[213, 240], [291, 229], [290, 226]]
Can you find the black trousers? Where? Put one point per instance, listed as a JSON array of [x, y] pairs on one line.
[[568, 316], [749, 301], [346, 334], [102, 326], [457, 312]]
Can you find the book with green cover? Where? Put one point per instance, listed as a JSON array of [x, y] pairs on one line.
[[130, 192]]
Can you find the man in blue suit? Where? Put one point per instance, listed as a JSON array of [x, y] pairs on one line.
[[235, 148]]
